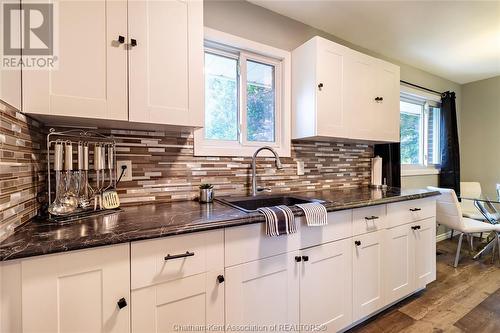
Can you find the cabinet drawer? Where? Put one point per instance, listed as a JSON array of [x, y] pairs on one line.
[[339, 227], [250, 242], [369, 219], [409, 211], [164, 259]]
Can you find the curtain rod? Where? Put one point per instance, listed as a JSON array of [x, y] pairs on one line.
[[420, 87]]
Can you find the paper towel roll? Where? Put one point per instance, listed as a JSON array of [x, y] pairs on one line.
[[377, 171]]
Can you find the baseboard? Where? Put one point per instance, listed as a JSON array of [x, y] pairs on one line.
[[443, 236]]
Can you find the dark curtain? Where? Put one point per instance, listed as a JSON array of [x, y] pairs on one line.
[[391, 162], [449, 176]]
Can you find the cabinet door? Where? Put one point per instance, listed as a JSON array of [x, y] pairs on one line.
[[326, 285], [264, 292], [77, 292], [425, 252], [90, 77], [179, 305], [399, 262], [330, 85], [358, 96], [10, 75], [368, 295], [386, 112], [166, 65]]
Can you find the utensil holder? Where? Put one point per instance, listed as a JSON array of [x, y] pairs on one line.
[[206, 195]]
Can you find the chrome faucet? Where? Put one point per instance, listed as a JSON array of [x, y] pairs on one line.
[[254, 177]]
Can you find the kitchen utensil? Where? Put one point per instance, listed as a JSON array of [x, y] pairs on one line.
[[83, 166], [110, 199], [97, 169], [56, 207], [69, 198]]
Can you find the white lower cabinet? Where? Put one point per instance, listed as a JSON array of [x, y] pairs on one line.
[[425, 252], [81, 291], [324, 278], [410, 258], [185, 305], [368, 273], [400, 268], [326, 286], [263, 293]]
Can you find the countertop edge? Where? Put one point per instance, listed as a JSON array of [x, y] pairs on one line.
[[252, 218]]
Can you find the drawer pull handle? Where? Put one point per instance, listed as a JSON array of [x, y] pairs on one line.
[[369, 218], [357, 243], [122, 302], [416, 227], [415, 209], [177, 256]]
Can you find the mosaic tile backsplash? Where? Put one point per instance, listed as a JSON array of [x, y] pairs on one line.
[[22, 172], [164, 168]]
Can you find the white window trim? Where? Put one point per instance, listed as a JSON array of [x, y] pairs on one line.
[[420, 169], [203, 147]]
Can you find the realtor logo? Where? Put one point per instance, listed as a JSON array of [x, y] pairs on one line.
[[28, 33]]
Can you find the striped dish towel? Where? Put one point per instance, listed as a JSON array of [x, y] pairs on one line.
[[279, 220], [315, 213]]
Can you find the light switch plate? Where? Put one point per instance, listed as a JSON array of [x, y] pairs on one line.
[[300, 168], [127, 175]]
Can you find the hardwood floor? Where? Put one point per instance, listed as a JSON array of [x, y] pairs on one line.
[[465, 299]]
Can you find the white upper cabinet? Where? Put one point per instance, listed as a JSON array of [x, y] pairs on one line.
[[341, 93], [166, 65], [10, 77], [90, 75], [137, 61]]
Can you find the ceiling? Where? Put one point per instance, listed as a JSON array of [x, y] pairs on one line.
[[457, 40]]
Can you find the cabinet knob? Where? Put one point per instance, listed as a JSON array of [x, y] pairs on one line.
[[133, 42], [122, 302], [357, 243], [121, 39], [220, 278], [305, 258], [298, 258], [320, 86]]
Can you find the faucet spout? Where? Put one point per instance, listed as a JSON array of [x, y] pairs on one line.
[[254, 167]]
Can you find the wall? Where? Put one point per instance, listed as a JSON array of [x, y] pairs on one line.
[[480, 148], [21, 168], [262, 25]]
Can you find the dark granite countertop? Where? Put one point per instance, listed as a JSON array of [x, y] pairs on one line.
[[163, 219]]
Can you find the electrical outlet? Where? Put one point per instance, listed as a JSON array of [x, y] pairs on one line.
[[300, 168], [127, 174]]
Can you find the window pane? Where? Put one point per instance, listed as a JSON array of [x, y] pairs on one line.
[[411, 133], [260, 102], [221, 98], [433, 123]]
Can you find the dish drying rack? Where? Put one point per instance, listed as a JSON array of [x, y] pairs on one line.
[[92, 198]]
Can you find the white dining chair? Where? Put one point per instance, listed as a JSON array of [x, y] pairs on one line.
[[470, 190], [449, 213]]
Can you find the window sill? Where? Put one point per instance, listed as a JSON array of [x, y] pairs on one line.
[[419, 171]]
